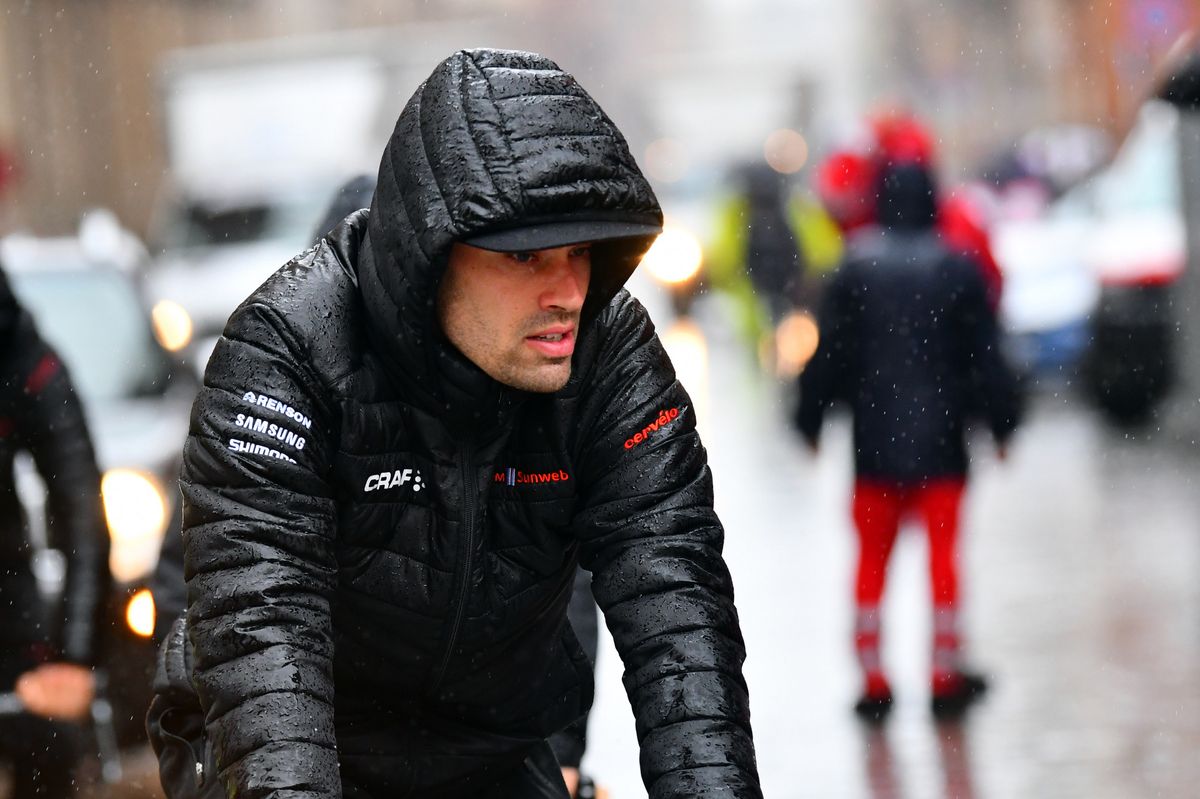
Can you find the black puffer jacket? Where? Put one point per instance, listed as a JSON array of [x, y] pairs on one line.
[[909, 342], [40, 413], [368, 515]]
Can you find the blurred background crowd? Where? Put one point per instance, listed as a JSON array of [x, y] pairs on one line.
[[160, 158]]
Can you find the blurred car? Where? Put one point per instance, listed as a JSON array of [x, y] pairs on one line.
[[88, 304], [1136, 205], [1087, 283], [242, 197], [1049, 289], [1138, 251], [213, 250]]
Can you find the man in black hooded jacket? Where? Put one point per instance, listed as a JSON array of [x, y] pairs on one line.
[[46, 652], [407, 440]]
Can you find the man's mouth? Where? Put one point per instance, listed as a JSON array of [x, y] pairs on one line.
[[556, 342]]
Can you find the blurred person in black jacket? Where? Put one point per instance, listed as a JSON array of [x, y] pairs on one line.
[[47, 651], [409, 439], [910, 344]]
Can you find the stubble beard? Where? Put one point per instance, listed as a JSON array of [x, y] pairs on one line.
[[545, 378], [518, 367], [528, 370], [542, 375]]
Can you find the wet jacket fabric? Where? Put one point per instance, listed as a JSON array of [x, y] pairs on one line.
[[570, 743], [908, 341], [370, 516], [41, 414]]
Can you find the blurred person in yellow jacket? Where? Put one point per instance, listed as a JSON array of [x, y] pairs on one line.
[[771, 251]]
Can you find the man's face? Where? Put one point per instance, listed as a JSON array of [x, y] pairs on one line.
[[516, 315]]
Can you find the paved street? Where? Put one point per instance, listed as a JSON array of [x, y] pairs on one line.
[[1082, 602]]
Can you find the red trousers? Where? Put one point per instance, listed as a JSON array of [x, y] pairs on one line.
[[878, 510]]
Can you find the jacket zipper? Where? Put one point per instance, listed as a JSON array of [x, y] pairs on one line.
[[468, 471]]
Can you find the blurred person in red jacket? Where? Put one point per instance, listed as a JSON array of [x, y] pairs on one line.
[[908, 342], [845, 182]]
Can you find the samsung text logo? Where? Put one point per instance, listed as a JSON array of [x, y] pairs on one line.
[[270, 429]]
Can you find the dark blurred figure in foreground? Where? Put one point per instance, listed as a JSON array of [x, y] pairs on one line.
[[46, 652], [909, 342]]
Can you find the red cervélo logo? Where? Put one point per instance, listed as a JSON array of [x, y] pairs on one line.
[[664, 419]]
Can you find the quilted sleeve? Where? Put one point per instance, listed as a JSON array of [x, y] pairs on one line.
[[653, 542], [260, 564]]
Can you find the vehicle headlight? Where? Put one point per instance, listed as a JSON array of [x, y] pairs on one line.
[[140, 613], [674, 257], [172, 325], [135, 507]]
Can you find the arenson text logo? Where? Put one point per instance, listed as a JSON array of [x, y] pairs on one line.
[[664, 418]]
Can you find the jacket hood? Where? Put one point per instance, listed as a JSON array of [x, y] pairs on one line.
[[492, 140], [907, 198]]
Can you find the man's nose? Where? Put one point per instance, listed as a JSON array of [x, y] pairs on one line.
[[567, 284]]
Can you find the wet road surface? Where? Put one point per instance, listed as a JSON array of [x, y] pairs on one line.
[[1081, 584]]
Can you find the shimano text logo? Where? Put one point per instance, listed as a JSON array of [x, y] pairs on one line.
[[394, 479], [250, 448]]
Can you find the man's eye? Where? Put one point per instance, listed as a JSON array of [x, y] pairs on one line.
[[581, 252], [523, 257]]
